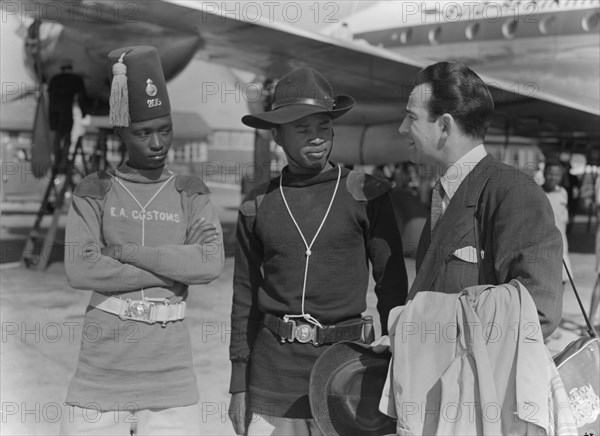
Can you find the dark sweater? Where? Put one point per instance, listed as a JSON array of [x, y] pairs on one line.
[[270, 258]]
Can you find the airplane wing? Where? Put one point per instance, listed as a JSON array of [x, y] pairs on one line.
[[530, 100], [379, 79]]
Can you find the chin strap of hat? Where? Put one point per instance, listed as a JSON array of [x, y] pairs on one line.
[[305, 315]]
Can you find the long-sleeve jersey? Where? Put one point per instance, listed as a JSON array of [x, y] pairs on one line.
[[126, 364], [271, 255]]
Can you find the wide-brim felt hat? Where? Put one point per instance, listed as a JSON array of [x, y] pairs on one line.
[[346, 383], [297, 94]]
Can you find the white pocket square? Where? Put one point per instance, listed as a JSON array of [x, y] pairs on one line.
[[468, 254]]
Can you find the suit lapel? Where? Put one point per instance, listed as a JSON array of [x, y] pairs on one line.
[[457, 221], [424, 241]]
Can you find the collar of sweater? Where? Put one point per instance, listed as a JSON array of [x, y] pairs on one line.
[[125, 172], [298, 180]]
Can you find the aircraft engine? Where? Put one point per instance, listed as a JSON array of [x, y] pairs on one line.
[[49, 44], [369, 145], [40, 49]]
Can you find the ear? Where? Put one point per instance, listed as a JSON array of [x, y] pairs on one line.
[[276, 135], [446, 123], [119, 132]]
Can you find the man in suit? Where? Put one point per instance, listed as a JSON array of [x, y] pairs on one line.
[[490, 223]]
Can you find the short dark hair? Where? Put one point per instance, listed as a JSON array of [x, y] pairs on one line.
[[553, 163], [459, 91]]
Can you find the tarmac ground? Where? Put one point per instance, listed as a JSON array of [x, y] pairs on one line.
[[42, 320]]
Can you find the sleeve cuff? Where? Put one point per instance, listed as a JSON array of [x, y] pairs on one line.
[[238, 377]]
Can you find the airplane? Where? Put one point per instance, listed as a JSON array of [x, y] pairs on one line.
[[525, 50]]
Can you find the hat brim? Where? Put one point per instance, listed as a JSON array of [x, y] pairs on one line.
[[346, 383], [293, 112]]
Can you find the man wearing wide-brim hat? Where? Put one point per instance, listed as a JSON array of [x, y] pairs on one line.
[[305, 240]]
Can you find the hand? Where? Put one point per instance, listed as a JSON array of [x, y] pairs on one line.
[[179, 289], [237, 412], [111, 250], [381, 345], [202, 232]]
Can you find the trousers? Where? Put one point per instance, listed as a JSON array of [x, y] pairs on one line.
[[174, 421]]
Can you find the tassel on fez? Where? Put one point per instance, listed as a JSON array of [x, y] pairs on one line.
[[119, 95]]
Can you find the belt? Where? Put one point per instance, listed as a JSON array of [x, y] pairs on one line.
[[148, 310], [291, 330]]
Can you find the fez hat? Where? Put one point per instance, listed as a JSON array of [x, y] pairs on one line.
[[346, 383], [297, 94], [139, 88]]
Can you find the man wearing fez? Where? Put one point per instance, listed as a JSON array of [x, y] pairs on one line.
[[305, 240], [137, 237], [490, 223]]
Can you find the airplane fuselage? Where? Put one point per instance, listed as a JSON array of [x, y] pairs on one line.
[[537, 47], [540, 50]]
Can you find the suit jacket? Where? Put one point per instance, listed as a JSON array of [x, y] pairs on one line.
[[503, 222]]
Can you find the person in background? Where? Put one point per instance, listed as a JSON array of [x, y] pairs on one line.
[[63, 88], [572, 185], [557, 195], [595, 300]]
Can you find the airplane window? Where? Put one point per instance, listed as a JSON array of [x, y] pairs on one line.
[[405, 36], [21, 155], [434, 35], [548, 25], [509, 28], [472, 30], [590, 23]]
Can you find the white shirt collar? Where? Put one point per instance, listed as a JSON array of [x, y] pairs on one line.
[[459, 171]]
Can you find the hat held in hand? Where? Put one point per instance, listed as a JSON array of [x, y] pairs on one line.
[[139, 89], [298, 94], [346, 383]]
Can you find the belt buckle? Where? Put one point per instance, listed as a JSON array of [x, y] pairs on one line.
[[138, 310], [302, 333], [305, 333]]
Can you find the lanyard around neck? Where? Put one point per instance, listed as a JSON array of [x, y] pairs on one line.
[[143, 208], [305, 315]]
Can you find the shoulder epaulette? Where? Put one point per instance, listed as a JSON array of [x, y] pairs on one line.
[[364, 187], [95, 185], [251, 203], [191, 185]]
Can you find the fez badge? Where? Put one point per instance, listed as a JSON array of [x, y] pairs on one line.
[[151, 89]]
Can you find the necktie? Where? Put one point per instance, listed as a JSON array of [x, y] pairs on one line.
[[436, 204]]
